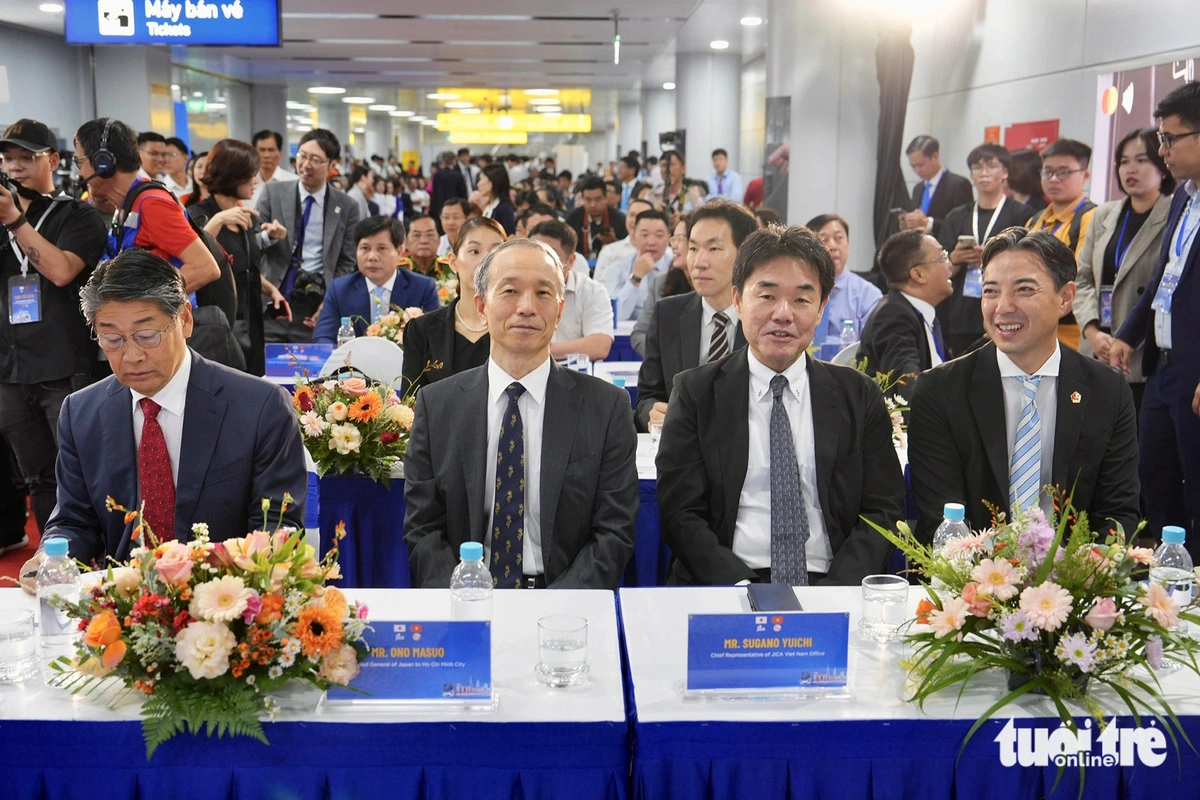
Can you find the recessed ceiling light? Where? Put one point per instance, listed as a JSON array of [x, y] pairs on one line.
[[540, 92], [719, 44], [550, 109], [669, 86], [381, 107], [552, 114], [441, 96], [459, 104], [750, 22], [174, 87], [51, 8], [215, 107], [326, 90], [418, 118], [297, 15], [400, 113], [544, 101], [430, 123], [471, 111], [197, 94], [360, 129], [358, 100], [297, 106]]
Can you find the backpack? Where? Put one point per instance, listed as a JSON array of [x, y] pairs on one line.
[[1076, 224]]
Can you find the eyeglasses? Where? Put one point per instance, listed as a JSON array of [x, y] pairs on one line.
[[155, 153], [115, 342], [993, 166], [23, 160], [675, 239], [78, 160], [940, 259], [316, 161], [1168, 140], [1059, 174]]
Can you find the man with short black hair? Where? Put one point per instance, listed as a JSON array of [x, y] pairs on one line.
[[678, 193], [421, 242], [587, 317], [469, 171], [152, 148], [625, 281], [1037, 414], [45, 350], [175, 176], [627, 175], [621, 249], [448, 184], [724, 182], [535, 215], [454, 213], [939, 190], [362, 189], [853, 297], [596, 224], [269, 145]]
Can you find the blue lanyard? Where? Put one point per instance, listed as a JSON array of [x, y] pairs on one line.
[[1183, 226], [1121, 251], [1074, 211]]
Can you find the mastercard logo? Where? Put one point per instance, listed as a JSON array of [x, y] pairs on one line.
[[1108, 101]]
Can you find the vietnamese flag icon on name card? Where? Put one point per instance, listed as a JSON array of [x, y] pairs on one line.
[[417, 628], [776, 620]]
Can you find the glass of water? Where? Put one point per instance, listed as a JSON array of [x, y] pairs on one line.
[[18, 646], [573, 361], [562, 650], [655, 433], [884, 607], [583, 363]]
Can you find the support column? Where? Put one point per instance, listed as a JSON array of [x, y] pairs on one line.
[[268, 108], [240, 112], [133, 84], [629, 124], [334, 115], [658, 115], [707, 102], [379, 135]]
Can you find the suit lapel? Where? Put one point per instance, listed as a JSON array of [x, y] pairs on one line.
[[987, 404], [117, 436], [1151, 230], [558, 434], [201, 420], [447, 336], [689, 335], [731, 402], [828, 406], [472, 419], [333, 215], [1072, 403]]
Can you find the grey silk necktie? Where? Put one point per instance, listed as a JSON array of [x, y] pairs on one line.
[[718, 346], [789, 514]]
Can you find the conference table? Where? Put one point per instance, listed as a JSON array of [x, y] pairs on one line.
[[537, 743], [374, 555], [871, 745], [622, 349]]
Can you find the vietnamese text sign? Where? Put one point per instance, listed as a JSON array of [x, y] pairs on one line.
[[767, 651], [195, 22]]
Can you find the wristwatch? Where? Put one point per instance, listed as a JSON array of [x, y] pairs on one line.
[[635, 280]]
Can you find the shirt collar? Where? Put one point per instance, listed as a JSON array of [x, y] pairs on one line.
[[388, 284], [1189, 186], [707, 312], [936, 178], [534, 382], [925, 308], [318, 198], [173, 396], [572, 281], [761, 375], [1066, 217], [841, 280], [1048, 370]]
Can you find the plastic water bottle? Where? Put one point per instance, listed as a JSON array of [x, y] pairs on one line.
[[953, 526], [57, 577], [849, 334], [1174, 570], [471, 585], [346, 332]]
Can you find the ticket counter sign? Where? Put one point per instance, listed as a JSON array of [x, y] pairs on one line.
[[245, 23], [773, 651]]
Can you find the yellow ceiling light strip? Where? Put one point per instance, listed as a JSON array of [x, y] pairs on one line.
[[529, 123], [517, 99], [484, 137]]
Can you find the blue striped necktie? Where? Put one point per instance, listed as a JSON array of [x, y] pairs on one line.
[[1025, 468]]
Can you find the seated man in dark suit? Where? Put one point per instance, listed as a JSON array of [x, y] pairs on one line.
[[378, 286], [191, 440], [769, 458], [1023, 412], [701, 326], [903, 335], [534, 461]]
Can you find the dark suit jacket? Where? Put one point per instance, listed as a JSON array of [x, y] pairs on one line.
[[703, 455], [615, 218], [952, 191], [894, 340], [958, 441], [447, 185], [350, 296], [589, 488], [240, 444], [280, 200], [1185, 303], [506, 215], [429, 342], [672, 346]]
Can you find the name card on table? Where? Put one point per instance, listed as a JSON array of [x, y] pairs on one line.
[[793, 654], [422, 662], [289, 360]]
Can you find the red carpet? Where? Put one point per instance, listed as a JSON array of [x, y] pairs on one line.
[[10, 563]]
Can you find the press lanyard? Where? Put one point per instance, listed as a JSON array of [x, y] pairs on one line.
[[991, 222], [1074, 211], [1183, 229], [12, 238], [1121, 251]]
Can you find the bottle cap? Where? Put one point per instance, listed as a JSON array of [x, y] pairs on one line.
[[57, 547], [847, 323], [619, 382], [1173, 534], [345, 320], [470, 551], [954, 511]]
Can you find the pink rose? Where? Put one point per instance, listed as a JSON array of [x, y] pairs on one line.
[[253, 606], [174, 566], [977, 605], [1103, 614], [354, 386]]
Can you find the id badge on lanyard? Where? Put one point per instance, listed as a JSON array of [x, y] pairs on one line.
[[25, 290], [973, 284], [1106, 295]]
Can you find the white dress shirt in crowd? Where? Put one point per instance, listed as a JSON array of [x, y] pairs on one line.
[[928, 314], [173, 399], [443, 245], [752, 532], [1177, 256], [1047, 407], [532, 405], [730, 186], [587, 308], [610, 254], [312, 256], [708, 322], [631, 297], [280, 175], [180, 191]]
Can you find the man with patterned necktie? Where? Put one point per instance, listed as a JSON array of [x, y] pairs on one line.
[[770, 460], [188, 440], [1023, 412], [534, 461]]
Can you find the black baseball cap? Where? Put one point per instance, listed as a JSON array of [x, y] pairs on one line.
[[30, 135]]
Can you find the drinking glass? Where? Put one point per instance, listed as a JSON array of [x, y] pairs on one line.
[[562, 650], [18, 646], [884, 608]]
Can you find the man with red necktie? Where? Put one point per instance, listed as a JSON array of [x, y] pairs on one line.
[[188, 440]]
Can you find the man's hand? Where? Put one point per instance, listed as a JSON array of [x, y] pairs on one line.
[[1100, 341], [311, 322], [274, 229], [30, 584], [658, 413], [278, 302], [1196, 400], [913, 219], [10, 212], [962, 254], [1119, 353], [643, 265], [607, 235]]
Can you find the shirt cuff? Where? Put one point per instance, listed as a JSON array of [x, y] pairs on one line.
[[929, 224]]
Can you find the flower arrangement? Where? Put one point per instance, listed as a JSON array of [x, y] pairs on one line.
[[897, 406], [352, 424], [207, 630], [1049, 603], [447, 286], [391, 325]]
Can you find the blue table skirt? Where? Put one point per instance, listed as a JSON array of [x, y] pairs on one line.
[[622, 350], [56, 760], [881, 760], [374, 556]]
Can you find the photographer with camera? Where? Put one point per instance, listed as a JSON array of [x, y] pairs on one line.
[[595, 223], [45, 349]]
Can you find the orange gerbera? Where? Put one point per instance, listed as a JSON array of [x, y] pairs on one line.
[[303, 399], [924, 608], [319, 629], [272, 609], [366, 408]]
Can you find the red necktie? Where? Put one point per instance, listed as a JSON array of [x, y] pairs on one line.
[[154, 472]]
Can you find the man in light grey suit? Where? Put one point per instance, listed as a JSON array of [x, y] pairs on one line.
[[319, 245], [534, 461]]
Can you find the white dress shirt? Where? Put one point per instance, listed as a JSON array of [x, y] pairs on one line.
[[752, 532], [587, 308], [173, 399], [631, 297], [312, 256], [443, 246], [708, 322], [1047, 408], [387, 294], [532, 405], [1189, 222], [928, 314], [610, 255], [179, 190]]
